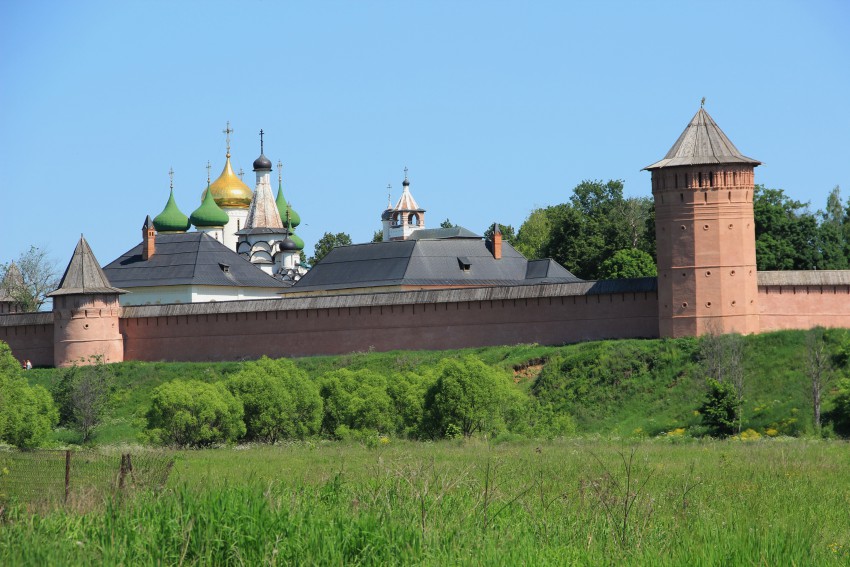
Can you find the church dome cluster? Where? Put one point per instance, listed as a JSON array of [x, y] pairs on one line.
[[253, 223]]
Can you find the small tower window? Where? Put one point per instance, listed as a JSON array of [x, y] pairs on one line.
[[711, 179], [700, 178]]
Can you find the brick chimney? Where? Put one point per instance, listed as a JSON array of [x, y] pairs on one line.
[[497, 241], [148, 239]]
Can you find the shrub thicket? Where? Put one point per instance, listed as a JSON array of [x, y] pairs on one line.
[[280, 401], [27, 413], [192, 413]]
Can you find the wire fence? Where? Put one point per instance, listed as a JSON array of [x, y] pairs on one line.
[[59, 477]]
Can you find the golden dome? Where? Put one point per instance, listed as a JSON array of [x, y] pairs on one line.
[[228, 190]]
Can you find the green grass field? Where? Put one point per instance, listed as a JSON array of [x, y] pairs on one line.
[[573, 502]]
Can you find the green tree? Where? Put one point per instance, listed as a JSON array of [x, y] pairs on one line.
[[447, 224], [326, 243], [191, 413], [280, 401], [27, 413], [468, 397], [356, 400], [596, 223], [378, 236], [832, 236], [786, 232], [29, 279], [83, 395], [628, 263], [839, 415], [719, 409], [533, 235]]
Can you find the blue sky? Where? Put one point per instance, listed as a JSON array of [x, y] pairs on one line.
[[496, 107]]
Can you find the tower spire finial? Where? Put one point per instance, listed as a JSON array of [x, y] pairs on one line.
[[702, 102], [279, 172], [208, 172], [405, 173], [227, 132], [241, 173], [261, 142], [171, 178], [389, 195]]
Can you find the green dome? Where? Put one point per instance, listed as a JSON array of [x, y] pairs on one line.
[[290, 234], [209, 213], [171, 219], [281, 208]]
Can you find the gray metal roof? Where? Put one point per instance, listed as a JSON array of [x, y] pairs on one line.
[[702, 142], [414, 297], [452, 232], [83, 274], [33, 318], [190, 258], [444, 262], [804, 277]]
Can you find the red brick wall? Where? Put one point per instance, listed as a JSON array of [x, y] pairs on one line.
[[33, 342], [545, 320], [803, 307]]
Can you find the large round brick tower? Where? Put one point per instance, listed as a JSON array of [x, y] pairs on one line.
[[85, 313], [705, 234]]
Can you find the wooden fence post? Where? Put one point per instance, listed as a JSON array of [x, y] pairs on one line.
[[67, 474]]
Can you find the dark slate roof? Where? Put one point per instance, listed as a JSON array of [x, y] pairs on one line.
[[427, 262], [191, 258], [453, 232], [702, 142], [83, 275]]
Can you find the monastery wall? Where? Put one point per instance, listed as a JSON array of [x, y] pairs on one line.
[[30, 336], [802, 300], [444, 319]]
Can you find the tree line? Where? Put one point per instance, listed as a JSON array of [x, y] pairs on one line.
[[601, 234]]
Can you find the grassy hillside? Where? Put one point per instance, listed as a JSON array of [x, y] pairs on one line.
[[619, 388]]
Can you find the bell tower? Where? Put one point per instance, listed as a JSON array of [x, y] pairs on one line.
[[705, 234]]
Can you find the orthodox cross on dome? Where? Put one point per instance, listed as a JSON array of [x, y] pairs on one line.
[[208, 172], [405, 173], [171, 177], [279, 171], [261, 142], [702, 102], [227, 132], [241, 173], [389, 195]]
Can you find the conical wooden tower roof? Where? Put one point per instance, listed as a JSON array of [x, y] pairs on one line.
[[702, 143], [83, 276]]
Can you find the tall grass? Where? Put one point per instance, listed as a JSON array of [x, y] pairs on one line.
[[769, 502]]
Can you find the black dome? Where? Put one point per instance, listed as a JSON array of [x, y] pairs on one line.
[[288, 245], [262, 163]]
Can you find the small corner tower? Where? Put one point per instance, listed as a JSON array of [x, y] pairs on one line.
[[405, 218], [705, 234], [85, 313]]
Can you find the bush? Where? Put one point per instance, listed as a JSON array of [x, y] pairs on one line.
[[27, 413], [719, 410], [280, 402], [356, 400], [194, 413], [839, 416], [468, 396]]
